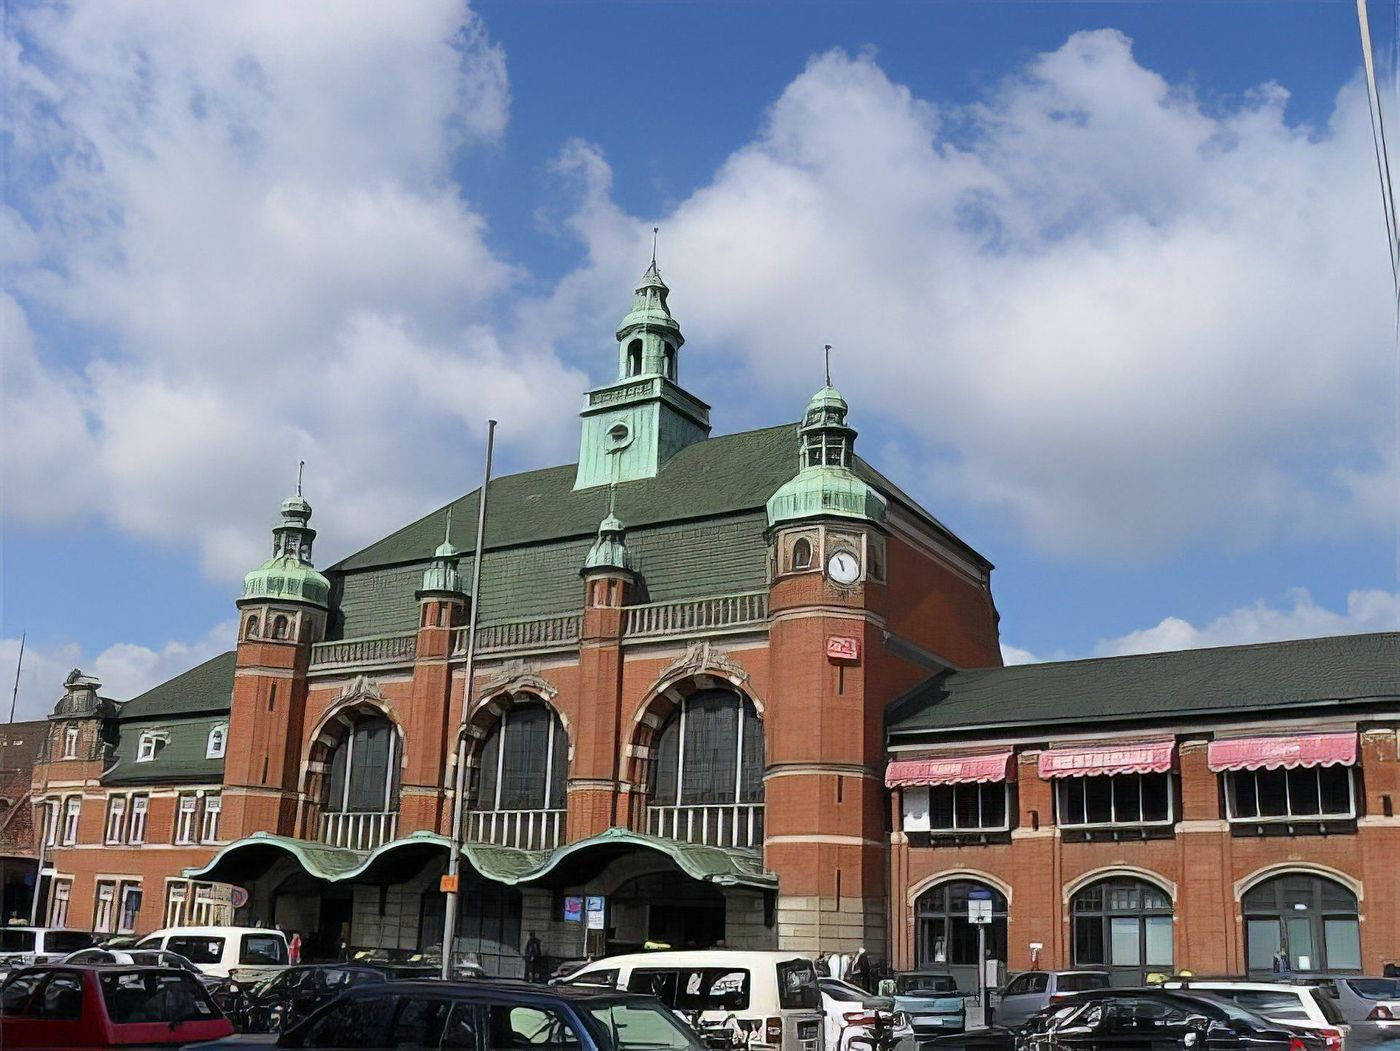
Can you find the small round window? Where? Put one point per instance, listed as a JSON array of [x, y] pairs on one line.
[[619, 436]]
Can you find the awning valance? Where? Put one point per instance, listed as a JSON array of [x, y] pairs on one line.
[[1288, 753], [949, 770], [1141, 757]]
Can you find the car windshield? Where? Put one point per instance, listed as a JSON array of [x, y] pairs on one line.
[[135, 997], [68, 941], [642, 1025], [16, 941], [914, 984], [1375, 988]]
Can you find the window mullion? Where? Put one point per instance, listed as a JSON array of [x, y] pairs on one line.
[[389, 774], [349, 769], [739, 757], [501, 757], [549, 764], [680, 752]]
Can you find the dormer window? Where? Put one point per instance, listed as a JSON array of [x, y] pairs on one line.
[[146, 748], [70, 742], [218, 737]]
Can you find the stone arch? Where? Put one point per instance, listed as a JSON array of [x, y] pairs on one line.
[[1083, 880], [1310, 868], [516, 687], [949, 875], [361, 696], [702, 668]]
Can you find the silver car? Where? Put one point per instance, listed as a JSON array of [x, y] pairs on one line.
[[1030, 992]]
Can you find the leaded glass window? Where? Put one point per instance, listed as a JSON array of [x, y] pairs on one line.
[[710, 751], [524, 761]]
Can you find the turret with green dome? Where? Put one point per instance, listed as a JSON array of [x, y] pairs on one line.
[[609, 551], [825, 484], [289, 576]]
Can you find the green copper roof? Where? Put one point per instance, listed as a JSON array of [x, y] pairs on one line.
[[609, 551], [289, 575], [649, 309], [826, 484], [508, 865], [1194, 686]]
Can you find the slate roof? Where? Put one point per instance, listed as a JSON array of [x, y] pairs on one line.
[[1200, 684], [207, 687], [183, 710], [19, 744], [718, 476]]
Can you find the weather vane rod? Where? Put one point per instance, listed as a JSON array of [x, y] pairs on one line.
[[654, 231], [828, 364], [301, 464]]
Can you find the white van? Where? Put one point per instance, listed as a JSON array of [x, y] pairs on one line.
[[224, 952], [774, 996]]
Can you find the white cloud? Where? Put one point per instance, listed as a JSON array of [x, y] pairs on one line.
[[124, 669], [1125, 320], [1303, 618], [1016, 655]]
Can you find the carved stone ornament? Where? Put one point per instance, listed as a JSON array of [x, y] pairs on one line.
[[362, 687], [702, 658], [518, 676]]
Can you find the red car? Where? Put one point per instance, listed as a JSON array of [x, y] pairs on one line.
[[106, 1006]]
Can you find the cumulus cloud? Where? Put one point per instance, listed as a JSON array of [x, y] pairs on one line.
[[124, 669], [1123, 319], [1302, 618], [1017, 655]]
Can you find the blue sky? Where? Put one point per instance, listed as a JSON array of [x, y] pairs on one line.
[[1106, 283]]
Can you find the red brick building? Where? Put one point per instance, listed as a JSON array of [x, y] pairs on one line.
[[685, 652], [1226, 811]]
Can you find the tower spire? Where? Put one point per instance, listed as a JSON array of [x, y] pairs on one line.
[[828, 364], [654, 231], [301, 466]]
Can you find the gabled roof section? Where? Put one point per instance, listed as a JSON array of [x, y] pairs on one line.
[[207, 687], [180, 755], [1185, 684], [718, 476]]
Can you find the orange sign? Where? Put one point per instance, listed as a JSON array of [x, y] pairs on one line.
[[448, 884], [843, 648]]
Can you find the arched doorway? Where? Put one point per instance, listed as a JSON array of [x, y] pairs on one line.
[[1123, 925], [944, 939], [1299, 921]]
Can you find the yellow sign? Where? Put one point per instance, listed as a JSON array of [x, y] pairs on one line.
[[448, 884]]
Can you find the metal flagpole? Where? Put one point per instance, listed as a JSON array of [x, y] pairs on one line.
[[454, 859], [14, 694]]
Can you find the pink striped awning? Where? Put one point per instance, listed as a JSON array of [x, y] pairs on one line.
[[1271, 753], [1145, 757], [949, 770]]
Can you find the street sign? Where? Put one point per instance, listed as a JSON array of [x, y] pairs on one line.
[[238, 896], [448, 884], [594, 908], [842, 648], [979, 910], [573, 910]]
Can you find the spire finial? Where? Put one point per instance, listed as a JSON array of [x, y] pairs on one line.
[[301, 465], [612, 498], [654, 231], [447, 534], [828, 364]]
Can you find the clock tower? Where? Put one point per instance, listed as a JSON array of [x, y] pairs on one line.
[[825, 720], [635, 424]]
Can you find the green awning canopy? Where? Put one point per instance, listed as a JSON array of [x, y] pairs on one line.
[[573, 863]]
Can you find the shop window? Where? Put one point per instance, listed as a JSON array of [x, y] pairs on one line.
[[957, 808], [116, 819], [139, 806], [1301, 922], [1308, 793], [1117, 800], [944, 939], [524, 761], [1124, 925]]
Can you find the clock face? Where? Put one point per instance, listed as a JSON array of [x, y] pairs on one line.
[[843, 567]]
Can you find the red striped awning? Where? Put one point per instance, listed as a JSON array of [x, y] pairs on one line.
[[1144, 757], [1288, 753], [949, 770]]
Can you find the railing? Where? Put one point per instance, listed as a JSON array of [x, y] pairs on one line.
[[359, 831], [714, 825], [696, 615], [558, 630], [526, 829], [377, 649]]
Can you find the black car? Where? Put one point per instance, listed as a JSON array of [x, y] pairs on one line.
[[490, 1013], [283, 999], [1142, 1020]]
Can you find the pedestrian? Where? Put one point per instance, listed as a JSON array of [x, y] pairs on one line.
[[533, 956], [294, 948]]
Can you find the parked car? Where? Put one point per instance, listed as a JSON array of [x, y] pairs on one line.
[[931, 1002], [851, 1012], [223, 990], [1298, 1005], [22, 946], [1360, 998], [495, 1013], [1139, 1020], [1031, 992], [283, 999], [242, 953], [61, 1006], [772, 996]]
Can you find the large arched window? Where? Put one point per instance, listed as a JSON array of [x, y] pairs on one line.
[[361, 802], [521, 778], [1123, 924], [709, 771], [944, 939], [1301, 922]]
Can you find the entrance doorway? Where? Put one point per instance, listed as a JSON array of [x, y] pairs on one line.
[[667, 908], [1301, 922], [333, 925], [945, 941], [1124, 925]]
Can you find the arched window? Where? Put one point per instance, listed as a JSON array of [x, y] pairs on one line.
[[670, 362], [1301, 922], [1123, 924], [634, 358], [524, 761], [218, 738], [364, 769], [802, 554], [709, 772], [279, 627], [944, 939], [252, 627]]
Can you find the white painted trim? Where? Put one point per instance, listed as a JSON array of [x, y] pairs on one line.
[[948, 875], [845, 841], [1309, 868], [1109, 871]]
